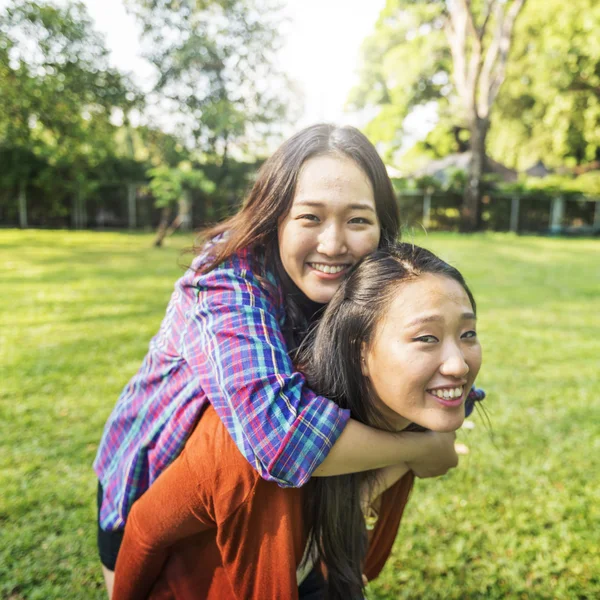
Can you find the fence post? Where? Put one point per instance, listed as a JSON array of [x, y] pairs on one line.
[[23, 204], [131, 207], [83, 196], [185, 207], [514, 213], [556, 214], [427, 209], [75, 209]]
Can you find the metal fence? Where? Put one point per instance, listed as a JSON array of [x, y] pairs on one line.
[[130, 206], [519, 213]]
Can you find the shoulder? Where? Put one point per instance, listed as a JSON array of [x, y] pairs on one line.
[[244, 274]]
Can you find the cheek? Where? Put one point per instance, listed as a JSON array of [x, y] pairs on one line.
[[395, 368], [293, 242], [474, 359], [364, 242], [369, 243]]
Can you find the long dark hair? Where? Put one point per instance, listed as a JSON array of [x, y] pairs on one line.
[[255, 224], [331, 359]]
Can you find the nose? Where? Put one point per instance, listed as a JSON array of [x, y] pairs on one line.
[[454, 364], [332, 241]]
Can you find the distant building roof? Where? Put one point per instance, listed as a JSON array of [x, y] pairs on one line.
[[538, 170], [439, 168]]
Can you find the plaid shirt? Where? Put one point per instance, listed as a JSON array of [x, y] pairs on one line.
[[219, 343]]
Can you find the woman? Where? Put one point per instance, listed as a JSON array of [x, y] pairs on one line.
[[319, 204], [397, 346]]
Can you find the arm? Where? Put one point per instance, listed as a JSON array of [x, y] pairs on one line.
[[166, 513], [427, 454], [234, 344], [362, 448]]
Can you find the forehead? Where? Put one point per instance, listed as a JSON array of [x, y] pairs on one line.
[[427, 294], [331, 177]]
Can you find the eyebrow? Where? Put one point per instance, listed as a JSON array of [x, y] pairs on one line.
[[317, 204], [467, 316]]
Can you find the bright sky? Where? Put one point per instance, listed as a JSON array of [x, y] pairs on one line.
[[322, 43]]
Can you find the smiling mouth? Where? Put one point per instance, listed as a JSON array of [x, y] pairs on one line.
[[453, 393], [328, 269], [450, 397]]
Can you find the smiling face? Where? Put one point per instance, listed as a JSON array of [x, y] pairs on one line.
[[331, 225], [425, 354]]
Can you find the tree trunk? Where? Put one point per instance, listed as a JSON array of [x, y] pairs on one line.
[[163, 226], [182, 219], [471, 207]]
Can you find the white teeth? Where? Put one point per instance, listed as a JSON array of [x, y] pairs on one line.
[[448, 394], [327, 268]]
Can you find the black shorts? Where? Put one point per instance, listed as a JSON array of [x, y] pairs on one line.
[[109, 542], [313, 587]]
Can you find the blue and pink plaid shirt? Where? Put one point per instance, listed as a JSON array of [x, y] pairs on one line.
[[221, 343]]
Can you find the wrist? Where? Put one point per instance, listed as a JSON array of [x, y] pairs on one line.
[[413, 446]]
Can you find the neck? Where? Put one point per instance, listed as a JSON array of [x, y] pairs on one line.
[[397, 422]]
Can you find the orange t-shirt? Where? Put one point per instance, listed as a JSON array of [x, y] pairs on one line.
[[211, 528]]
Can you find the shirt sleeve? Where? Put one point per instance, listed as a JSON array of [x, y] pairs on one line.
[[168, 512], [234, 344]]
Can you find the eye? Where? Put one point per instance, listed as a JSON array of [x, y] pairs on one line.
[[426, 339], [309, 217], [360, 221], [469, 335]]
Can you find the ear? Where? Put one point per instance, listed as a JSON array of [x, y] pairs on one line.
[[363, 360]]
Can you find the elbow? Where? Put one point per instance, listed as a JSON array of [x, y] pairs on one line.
[[287, 474]]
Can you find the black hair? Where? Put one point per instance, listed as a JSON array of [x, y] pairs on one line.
[[331, 359]]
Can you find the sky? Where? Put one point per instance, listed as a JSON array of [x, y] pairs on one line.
[[321, 50]]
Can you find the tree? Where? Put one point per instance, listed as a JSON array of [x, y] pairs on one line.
[[216, 67], [217, 80], [549, 108], [59, 94], [170, 187], [453, 53]]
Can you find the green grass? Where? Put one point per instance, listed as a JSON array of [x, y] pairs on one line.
[[519, 519]]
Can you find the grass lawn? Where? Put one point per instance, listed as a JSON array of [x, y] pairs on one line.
[[520, 517]]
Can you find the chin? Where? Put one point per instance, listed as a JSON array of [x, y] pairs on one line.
[[447, 428], [320, 296], [445, 424]]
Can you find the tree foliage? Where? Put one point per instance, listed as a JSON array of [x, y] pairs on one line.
[[58, 90], [216, 64], [549, 108], [59, 99], [451, 53], [405, 63], [65, 126]]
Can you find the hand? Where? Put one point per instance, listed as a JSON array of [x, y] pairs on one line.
[[437, 455]]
